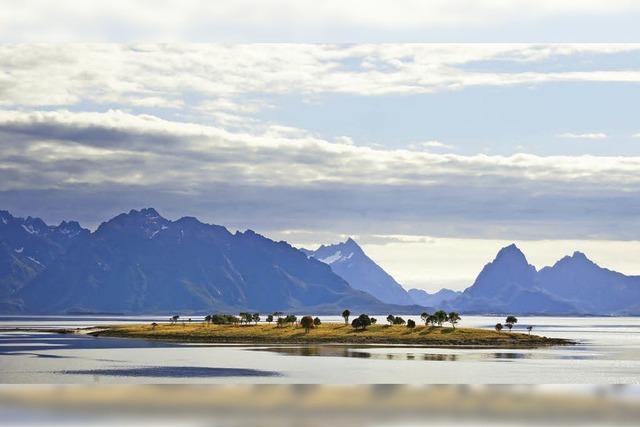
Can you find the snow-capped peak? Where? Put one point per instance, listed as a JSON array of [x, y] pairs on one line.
[[336, 257]]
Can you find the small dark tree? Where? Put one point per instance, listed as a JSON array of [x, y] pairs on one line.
[[307, 323], [509, 326], [345, 315], [207, 319], [498, 327], [529, 328], [356, 323], [373, 320], [255, 317], [270, 318], [390, 319], [317, 322], [510, 321], [441, 317], [425, 317], [174, 319], [411, 324], [291, 319], [365, 321], [398, 320], [454, 318], [154, 325], [431, 319]]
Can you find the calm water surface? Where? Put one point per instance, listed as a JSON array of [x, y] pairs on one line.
[[608, 352]]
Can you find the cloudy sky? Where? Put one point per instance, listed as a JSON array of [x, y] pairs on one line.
[[433, 156]]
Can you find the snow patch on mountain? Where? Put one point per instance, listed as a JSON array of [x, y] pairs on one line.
[[336, 257], [29, 229]]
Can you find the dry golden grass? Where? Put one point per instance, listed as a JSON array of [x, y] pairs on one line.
[[329, 333]]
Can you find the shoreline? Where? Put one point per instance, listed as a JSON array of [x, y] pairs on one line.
[[337, 334]]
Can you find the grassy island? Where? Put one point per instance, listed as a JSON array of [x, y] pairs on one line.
[[329, 333]]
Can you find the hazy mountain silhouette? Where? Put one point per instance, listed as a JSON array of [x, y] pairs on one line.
[[348, 260], [508, 285], [589, 287], [574, 285], [436, 299]]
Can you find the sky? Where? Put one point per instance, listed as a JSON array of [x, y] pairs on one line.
[[432, 155]]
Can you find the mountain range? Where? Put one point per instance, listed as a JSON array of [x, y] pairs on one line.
[[509, 284], [140, 262], [573, 285]]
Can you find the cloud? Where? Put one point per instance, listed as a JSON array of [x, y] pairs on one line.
[[211, 152], [237, 79], [425, 145], [286, 178], [296, 20], [591, 135]]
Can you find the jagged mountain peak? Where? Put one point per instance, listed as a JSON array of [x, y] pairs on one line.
[[577, 258], [350, 242], [146, 222], [511, 251], [349, 261]]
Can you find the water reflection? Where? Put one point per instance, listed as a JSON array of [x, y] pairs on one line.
[[419, 354], [345, 351], [175, 372]]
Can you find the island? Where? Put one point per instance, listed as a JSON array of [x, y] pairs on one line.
[[328, 333]]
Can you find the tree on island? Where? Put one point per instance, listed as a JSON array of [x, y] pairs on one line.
[[255, 317], [425, 317], [361, 322], [373, 320], [317, 322], [529, 328], [498, 327], [269, 318], [390, 319], [411, 324], [154, 325], [174, 319], [453, 318], [398, 320], [431, 319], [244, 317], [345, 315], [307, 323], [291, 319], [510, 321], [207, 319], [440, 316]]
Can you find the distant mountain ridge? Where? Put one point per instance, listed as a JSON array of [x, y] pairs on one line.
[[573, 285], [140, 262], [436, 299], [348, 260]]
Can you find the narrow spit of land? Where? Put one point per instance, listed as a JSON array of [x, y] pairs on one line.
[[328, 334]]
